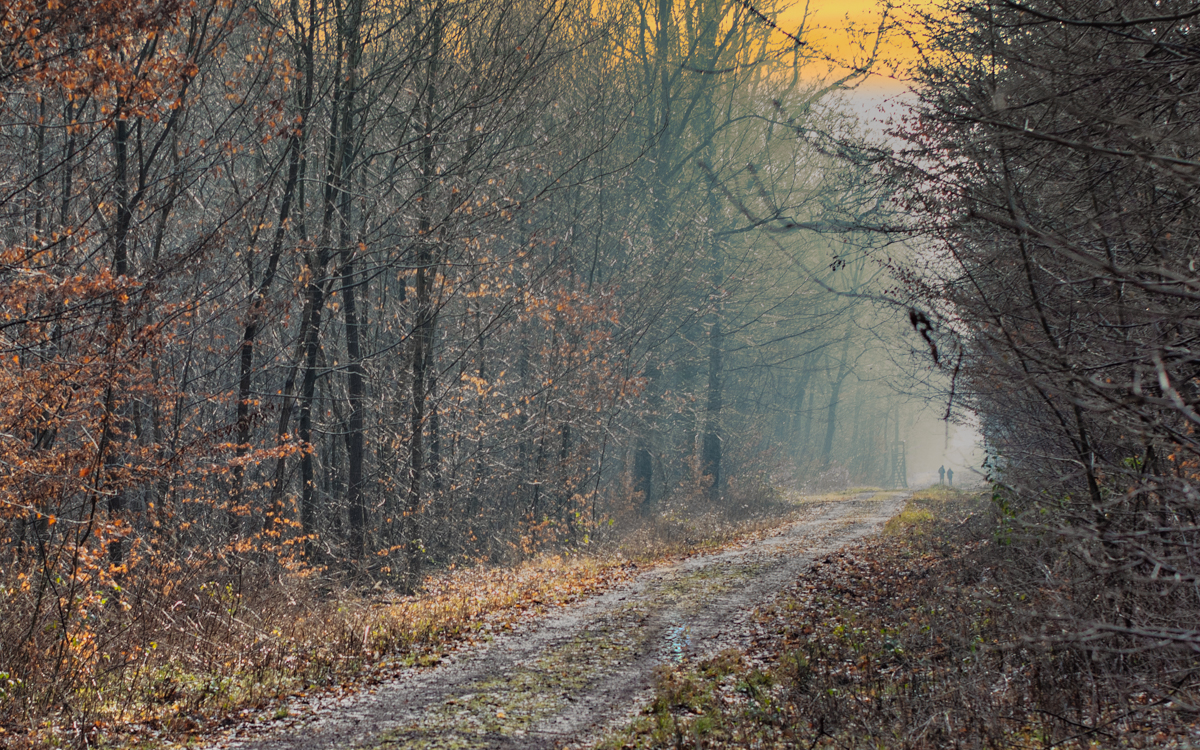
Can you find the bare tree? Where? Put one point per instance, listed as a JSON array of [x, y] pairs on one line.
[[1053, 170]]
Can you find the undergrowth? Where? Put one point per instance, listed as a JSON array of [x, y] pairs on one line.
[[909, 640], [689, 522], [236, 648]]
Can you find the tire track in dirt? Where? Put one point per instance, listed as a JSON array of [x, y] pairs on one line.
[[561, 680]]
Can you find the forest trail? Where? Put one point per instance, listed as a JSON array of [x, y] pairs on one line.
[[561, 680]]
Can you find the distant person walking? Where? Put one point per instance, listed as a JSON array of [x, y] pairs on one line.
[[949, 477], [941, 475]]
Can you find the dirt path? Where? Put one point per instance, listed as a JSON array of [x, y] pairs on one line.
[[562, 680]]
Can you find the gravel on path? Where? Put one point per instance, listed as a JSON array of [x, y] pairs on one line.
[[560, 681]]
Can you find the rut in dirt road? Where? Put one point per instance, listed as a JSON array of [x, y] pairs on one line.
[[563, 680]]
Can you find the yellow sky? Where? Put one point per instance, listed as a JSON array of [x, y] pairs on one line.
[[826, 31], [832, 11]]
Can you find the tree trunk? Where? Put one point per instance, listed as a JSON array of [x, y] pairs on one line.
[[643, 474], [423, 326], [711, 451], [423, 322], [356, 377], [113, 429], [831, 423], [314, 303], [355, 434], [834, 396]]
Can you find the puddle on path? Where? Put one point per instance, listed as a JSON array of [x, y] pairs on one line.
[[678, 640]]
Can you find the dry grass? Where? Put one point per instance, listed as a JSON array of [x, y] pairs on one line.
[[239, 646], [240, 651]]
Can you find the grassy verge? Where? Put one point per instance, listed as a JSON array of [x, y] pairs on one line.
[[237, 650], [903, 641]]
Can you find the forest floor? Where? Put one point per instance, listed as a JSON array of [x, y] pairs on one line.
[[907, 639], [567, 677]]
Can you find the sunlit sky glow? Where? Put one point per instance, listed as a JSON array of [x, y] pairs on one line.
[[827, 24], [839, 28]]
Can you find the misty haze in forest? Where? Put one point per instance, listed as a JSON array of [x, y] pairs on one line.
[[343, 294], [400, 283]]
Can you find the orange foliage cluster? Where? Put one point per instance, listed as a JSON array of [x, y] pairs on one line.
[[112, 50], [97, 510]]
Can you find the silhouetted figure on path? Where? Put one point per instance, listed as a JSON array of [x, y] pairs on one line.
[[941, 475], [949, 477]]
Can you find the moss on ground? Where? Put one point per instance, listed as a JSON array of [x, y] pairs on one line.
[[509, 704]]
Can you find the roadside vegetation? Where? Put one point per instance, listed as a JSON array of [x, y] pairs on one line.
[[236, 652], [916, 638], [307, 306], [1057, 288]]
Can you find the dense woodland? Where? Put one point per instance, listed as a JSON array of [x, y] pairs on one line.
[[1051, 170], [358, 290], [365, 289]]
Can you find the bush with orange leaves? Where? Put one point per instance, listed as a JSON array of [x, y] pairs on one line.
[[103, 478], [91, 48]]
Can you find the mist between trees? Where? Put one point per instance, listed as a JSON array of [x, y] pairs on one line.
[[354, 291], [368, 288]]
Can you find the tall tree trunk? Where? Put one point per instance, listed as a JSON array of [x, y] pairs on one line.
[[643, 474], [351, 30], [712, 449], [68, 164], [314, 303], [711, 452], [355, 434], [643, 456], [423, 320], [435, 428], [422, 328], [356, 377], [114, 431], [834, 396], [40, 179], [831, 422]]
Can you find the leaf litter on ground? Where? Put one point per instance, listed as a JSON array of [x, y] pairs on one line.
[[898, 640]]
